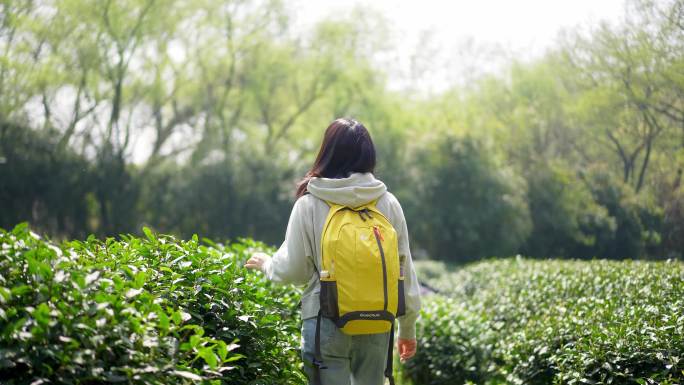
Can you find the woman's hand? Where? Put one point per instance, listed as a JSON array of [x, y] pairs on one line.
[[407, 348], [257, 261]]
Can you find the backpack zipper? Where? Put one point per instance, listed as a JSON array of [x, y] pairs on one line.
[[378, 237]]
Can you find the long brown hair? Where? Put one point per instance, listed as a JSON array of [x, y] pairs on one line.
[[347, 147]]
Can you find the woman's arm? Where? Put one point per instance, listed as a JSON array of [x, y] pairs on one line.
[[407, 322], [293, 262]]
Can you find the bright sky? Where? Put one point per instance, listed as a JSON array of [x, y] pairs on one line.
[[525, 28]]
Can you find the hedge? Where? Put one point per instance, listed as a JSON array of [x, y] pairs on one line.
[[158, 310], [151, 310], [522, 321]]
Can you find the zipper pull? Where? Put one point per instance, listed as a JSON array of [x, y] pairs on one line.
[[378, 234]]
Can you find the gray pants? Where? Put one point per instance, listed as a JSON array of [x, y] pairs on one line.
[[351, 360]]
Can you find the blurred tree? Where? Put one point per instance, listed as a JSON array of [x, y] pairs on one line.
[[627, 82], [637, 224], [565, 217], [14, 82], [47, 187], [199, 116], [471, 206]]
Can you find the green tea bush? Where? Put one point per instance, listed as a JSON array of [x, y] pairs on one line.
[[153, 310], [455, 345], [522, 321]]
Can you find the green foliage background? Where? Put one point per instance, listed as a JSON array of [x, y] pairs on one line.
[[200, 116]]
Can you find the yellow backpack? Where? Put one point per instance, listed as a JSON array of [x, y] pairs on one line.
[[361, 275]]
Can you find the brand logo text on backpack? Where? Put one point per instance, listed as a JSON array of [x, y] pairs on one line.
[[369, 315]]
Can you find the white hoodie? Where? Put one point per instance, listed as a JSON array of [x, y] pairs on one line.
[[299, 257]]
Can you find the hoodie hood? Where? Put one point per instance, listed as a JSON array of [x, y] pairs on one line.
[[353, 191]]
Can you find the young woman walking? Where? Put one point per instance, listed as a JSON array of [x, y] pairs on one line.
[[342, 176]]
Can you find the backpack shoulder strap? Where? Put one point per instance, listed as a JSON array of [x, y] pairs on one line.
[[389, 367], [334, 207]]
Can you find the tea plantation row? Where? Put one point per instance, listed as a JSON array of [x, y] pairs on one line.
[[521, 321], [158, 310], [153, 310]]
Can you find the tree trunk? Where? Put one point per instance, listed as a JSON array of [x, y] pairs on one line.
[[644, 164]]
